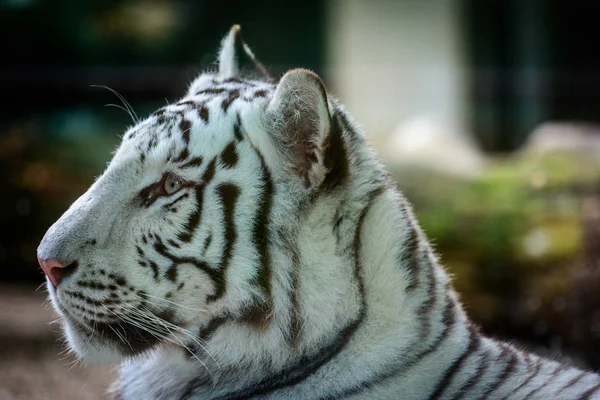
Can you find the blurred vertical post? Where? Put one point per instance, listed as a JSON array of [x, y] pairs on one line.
[[507, 54], [392, 61], [531, 82]]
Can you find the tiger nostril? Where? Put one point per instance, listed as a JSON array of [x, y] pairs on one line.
[[69, 269], [55, 271]]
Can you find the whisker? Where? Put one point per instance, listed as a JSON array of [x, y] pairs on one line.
[[64, 353], [121, 108], [144, 319], [140, 322], [142, 325], [149, 314], [146, 314], [55, 321], [157, 305], [121, 337], [193, 354], [47, 305], [132, 318], [171, 302], [72, 364], [128, 107], [179, 329], [94, 324]]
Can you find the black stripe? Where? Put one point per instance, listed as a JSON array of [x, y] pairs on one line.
[[237, 128], [187, 103], [559, 368], [409, 258], [232, 95], [402, 366], [309, 364], [152, 143], [260, 93], [424, 310], [238, 53], [456, 365], [335, 158], [119, 280], [154, 268], [213, 90], [173, 243], [161, 249], [209, 330], [191, 225], [228, 193], [258, 314], [203, 113], [182, 156], [193, 221], [172, 273], [260, 231], [526, 381], [481, 370], [506, 371], [194, 162], [185, 126], [93, 302], [209, 172], [168, 205], [207, 242], [160, 115], [229, 156], [588, 394], [92, 285], [295, 326], [140, 251], [576, 379]]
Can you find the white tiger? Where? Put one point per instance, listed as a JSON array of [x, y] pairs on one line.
[[245, 243]]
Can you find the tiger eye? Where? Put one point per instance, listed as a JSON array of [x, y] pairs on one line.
[[171, 185]]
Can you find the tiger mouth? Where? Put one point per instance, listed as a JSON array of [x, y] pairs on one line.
[[128, 338], [129, 334]]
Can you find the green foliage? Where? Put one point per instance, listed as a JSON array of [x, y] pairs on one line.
[[505, 232]]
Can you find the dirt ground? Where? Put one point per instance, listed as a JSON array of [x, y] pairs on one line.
[[33, 365]]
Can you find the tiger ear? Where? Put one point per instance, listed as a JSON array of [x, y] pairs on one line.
[[298, 117], [235, 56]]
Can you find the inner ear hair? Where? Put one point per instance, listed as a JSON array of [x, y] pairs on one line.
[[301, 125]]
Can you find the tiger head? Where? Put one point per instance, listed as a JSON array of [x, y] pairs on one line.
[[175, 235]]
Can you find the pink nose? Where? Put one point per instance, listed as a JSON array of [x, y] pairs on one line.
[[53, 270]]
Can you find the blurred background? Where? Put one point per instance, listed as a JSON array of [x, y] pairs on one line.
[[487, 113]]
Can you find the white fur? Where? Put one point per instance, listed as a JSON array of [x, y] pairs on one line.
[[312, 239]]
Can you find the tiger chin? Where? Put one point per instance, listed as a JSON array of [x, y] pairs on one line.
[[245, 243]]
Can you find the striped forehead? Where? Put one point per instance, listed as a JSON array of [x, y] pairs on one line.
[[210, 115], [228, 91]]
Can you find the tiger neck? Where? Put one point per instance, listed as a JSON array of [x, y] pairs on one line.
[[352, 276]]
